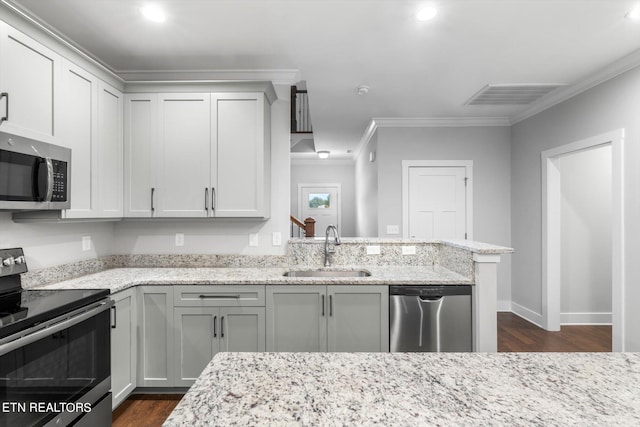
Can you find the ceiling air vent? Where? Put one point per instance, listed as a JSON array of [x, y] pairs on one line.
[[512, 94]]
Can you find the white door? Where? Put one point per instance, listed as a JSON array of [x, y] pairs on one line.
[[321, 203], [437, 202]]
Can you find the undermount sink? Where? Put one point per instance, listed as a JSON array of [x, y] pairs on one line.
[[327, 273]]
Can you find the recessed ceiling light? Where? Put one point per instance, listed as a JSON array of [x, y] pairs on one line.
[[633, 13], [426, 13], [323, 154], [153, 13], [362, 90]]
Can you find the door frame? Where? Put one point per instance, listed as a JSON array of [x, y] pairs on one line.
[[551, 231], [467, 164], [335, 185]]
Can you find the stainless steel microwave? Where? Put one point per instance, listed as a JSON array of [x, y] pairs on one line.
[[33, 175]]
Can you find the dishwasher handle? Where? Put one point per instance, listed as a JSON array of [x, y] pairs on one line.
[[430, 299]]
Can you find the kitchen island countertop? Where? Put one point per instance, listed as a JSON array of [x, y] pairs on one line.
[[594, 389], [118, 279]]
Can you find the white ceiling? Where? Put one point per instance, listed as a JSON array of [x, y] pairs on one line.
[[414, 69]]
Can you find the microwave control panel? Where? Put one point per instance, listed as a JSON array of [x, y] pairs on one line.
[[59, 181]]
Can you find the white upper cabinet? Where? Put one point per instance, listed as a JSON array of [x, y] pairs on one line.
[[197, 155], [77, 121], [185, 150], [141, 154], [240, 153], [110, 151], [27, 71]]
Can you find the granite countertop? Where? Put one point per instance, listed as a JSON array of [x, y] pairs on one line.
[[118, 279], [440, 389]]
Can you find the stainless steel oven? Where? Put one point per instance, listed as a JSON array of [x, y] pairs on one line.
[[54, 353], [33, 175]]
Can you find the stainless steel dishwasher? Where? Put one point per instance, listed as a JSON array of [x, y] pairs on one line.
[[430, 318]]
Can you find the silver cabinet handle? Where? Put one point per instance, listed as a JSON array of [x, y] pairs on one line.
[[213, 198], [5, 95], [206, 199], [153, 190], [222, 327], [215, 318], [330, 305], [323, 305]]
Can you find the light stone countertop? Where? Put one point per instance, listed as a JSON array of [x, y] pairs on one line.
[[435, 389], [118, 279]]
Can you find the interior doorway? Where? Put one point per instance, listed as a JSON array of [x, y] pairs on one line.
[[321, 202], [554, 239]]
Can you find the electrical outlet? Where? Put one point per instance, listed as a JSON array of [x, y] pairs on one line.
[[276, 238], [373, 250], [393, 229], [86, 243], [179, 239], [408, 250], [253, 239]]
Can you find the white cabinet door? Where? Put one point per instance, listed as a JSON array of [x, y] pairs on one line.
[[185, 150], [240, 155], [358, 318], [27, 74], [140, 158], [77, 120], [123, 345], [296, 318], [155, 340], [110, 151]]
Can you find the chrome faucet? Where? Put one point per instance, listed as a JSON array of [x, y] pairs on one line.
[[328, 250]]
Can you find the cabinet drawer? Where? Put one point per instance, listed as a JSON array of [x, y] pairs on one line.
[[219, 296]]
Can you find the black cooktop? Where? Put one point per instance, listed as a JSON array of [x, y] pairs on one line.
[[26, 308], [21, 309]]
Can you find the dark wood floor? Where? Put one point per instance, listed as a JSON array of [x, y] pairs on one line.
[[514, 334]]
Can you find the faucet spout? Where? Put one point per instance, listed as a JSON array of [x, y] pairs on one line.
[[328, 250]]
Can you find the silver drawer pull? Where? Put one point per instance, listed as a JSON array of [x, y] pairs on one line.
[[219, 297]]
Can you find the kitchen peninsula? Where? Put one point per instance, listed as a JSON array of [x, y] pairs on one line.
[[515, 389]]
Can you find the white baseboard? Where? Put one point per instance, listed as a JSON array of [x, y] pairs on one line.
[[585, 318], [527, 314]]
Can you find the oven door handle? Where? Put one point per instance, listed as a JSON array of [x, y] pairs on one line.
[[53, 326]]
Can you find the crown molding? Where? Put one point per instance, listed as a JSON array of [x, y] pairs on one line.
[[612, 70], [277, 76]]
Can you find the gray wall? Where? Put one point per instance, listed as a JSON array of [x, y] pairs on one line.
[[612, 105], [487, 147], [327, 172], [586, 236], [366, 176]]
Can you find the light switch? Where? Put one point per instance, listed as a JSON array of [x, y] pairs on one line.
[[393, 229], [86, 243]]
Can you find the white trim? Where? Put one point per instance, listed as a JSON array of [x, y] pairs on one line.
[[585, 318], [526, 314], [440, 122], [504, 306], [551, 230], [338, 188], [612, 70], [277, 76], [467, 164]]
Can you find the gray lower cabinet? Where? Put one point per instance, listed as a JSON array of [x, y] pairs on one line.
[[334, 318], [201, 332], [123, 345], [155, 337], [213, 318]]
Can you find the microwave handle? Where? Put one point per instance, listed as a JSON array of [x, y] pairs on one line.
[[45, 179]]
